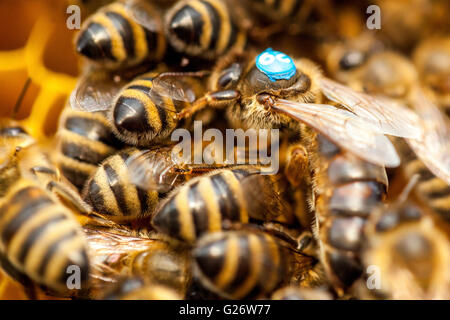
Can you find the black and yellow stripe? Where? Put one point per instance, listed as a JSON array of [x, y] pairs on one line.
[[142, 115], [85, 140], [111, 192], [203, 28], [113, 36], [239, 264], [40, 238], [201, 205]]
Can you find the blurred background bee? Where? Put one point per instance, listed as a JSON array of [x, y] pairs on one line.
[[409, 251], [156, 262], [432, 60], [40, 236], [391, 75]]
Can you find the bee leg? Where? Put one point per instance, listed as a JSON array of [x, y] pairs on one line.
[[69, 196], [215, 99], [297, 165]]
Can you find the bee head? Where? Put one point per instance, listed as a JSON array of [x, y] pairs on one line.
[[274, 73]]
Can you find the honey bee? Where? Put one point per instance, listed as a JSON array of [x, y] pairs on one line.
[[207, 29], [146, 110], [40, 237], [84, 137], [410, 252], [276, 91], [424, 18], [203, 204], [137, 289], [244, 264], [123, 34], [129, 185], [432, 60], [154, 261], [391, 75], [298, 293]]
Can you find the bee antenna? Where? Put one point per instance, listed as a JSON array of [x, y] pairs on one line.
[[407, 190], [21, 97]]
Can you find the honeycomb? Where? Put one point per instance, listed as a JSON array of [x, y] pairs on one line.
[[38, 47]]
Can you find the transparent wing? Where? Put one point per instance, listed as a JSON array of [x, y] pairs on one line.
[[94, 92], [345, 129], [173, 87], [154, 170], [433, 146], [109, 253], [161, 170], [387, 117], [144, 14]]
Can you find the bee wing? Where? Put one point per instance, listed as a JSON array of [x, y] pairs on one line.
[[144, 14], [387, 117], [433, 146], [172, 87], [160, 170], [345, 129], [153, 170], [94, 92]]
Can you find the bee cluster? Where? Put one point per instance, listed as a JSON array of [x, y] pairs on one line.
[[108, 213]]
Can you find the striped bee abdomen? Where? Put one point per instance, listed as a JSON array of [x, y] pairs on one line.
[[201, 205], [119, 35], [203, 28], [85, 140], [204, 203], [145, 111], [111, 192], [237, 264], [347, 191], [141, 115], [40, 238]]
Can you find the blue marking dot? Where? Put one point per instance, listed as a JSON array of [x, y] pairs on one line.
[[276, 65]]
